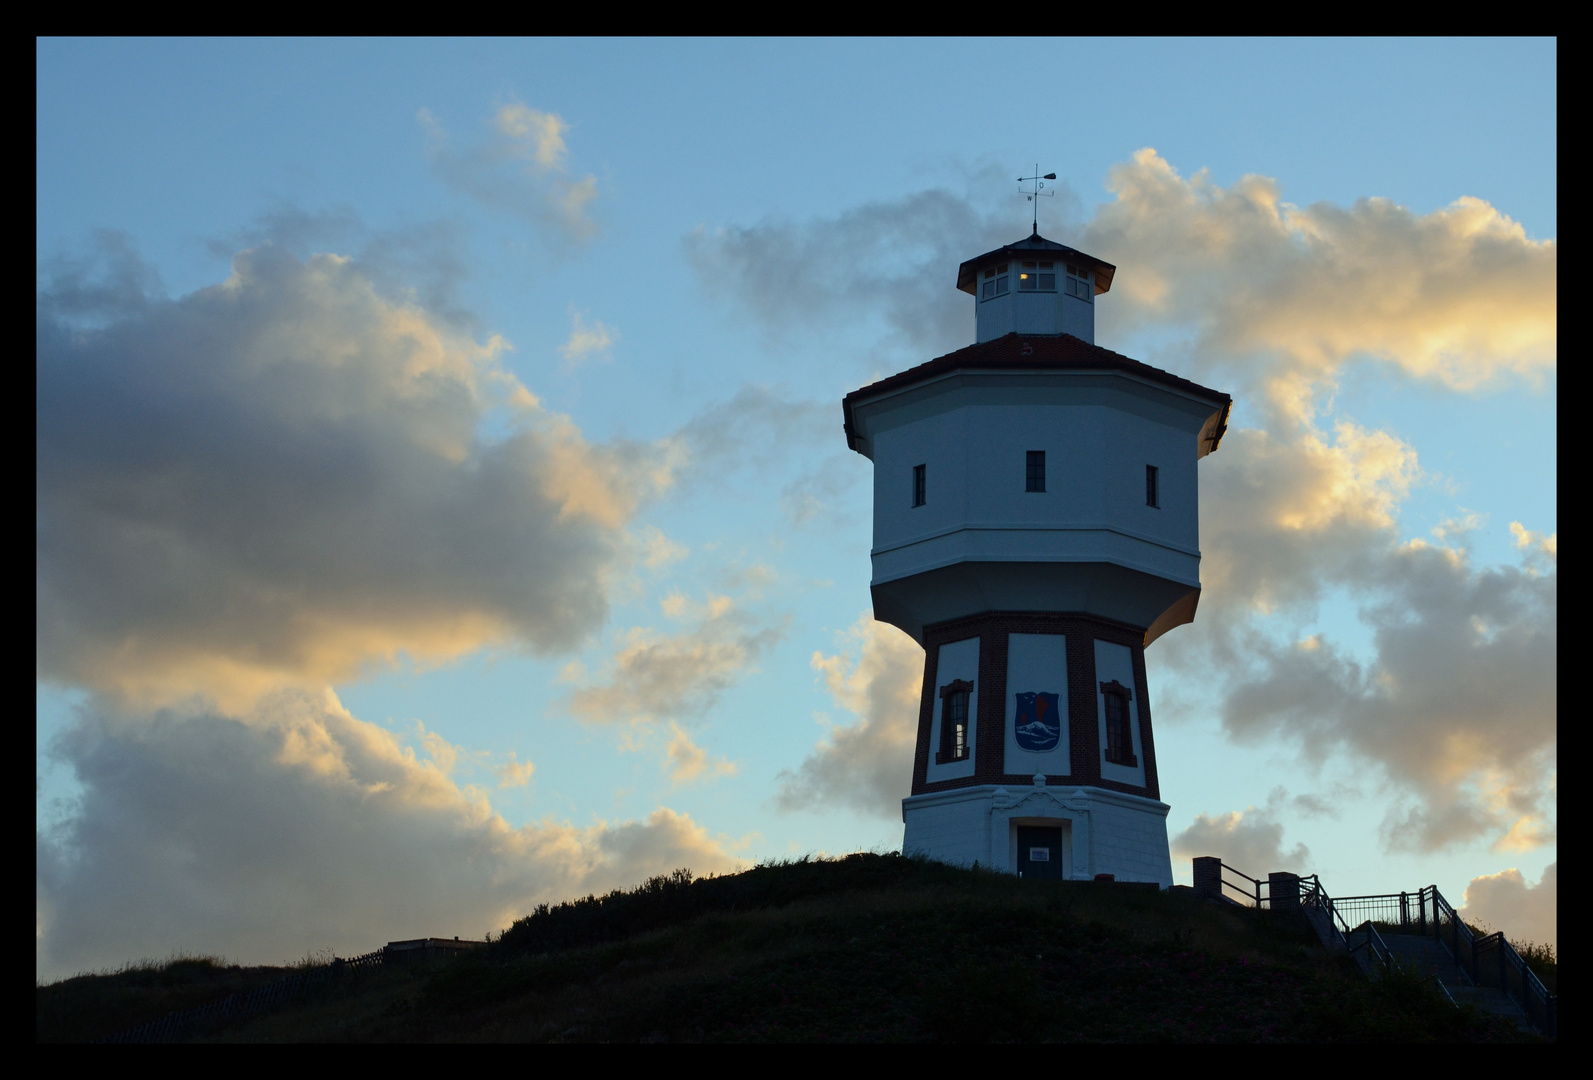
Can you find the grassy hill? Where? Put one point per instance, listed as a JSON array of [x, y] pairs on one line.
[[866, 948]]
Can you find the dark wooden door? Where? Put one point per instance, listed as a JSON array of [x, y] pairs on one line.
[[1040, 851]]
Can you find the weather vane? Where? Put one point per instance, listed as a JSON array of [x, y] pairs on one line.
[[1039, 189]]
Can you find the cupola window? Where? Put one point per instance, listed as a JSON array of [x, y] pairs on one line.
[[995, 283], [1078, 283], [1037, 277]]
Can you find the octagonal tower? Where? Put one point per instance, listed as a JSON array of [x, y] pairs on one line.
[[1036, 526]]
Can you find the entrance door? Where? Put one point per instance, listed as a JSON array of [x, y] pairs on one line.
[[1040, 851]]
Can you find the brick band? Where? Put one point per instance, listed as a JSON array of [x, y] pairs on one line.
[[1084, 740]]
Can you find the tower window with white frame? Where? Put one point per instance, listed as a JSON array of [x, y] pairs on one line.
[[1037, 277], [1078, 283], [995, 282]]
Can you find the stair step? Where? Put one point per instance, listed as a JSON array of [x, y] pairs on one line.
[[1426, 956]]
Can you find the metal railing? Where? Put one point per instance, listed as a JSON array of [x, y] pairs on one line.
[[1489, 960], [1377, 950], [1250, 891]]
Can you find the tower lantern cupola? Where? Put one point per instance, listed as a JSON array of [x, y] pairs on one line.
[[1036, 286], [1036, 528]]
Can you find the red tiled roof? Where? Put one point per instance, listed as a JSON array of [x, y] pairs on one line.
[[1015, 352]]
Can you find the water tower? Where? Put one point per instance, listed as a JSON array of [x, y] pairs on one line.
[[1035, 528]]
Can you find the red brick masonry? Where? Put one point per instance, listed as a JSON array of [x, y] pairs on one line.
[[1084, 740]]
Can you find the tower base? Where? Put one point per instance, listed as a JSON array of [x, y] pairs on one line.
[[1059, 832]]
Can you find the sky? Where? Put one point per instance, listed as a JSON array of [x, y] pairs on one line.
[[442, 507]]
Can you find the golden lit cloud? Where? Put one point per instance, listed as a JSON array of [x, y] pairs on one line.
[[1460, 295], [297, 827], [688, 763], [1524, 913], [282, 480], [656, 676], [521, 167], [1248, 839], [865, 765]]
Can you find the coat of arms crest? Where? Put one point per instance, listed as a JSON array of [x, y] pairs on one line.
[[1037, 723]]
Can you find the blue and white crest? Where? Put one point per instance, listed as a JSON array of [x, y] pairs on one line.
[[1037, 724]]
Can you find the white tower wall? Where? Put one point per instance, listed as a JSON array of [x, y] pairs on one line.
[[1034, 313], [1021, 550], [1103, 832]]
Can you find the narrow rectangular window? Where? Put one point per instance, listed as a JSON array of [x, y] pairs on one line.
[[1034, 479], [1150, 486], [1119, 726], [918, 485], [954, 721]]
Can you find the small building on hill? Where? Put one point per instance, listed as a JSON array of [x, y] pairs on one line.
[[426, 948]]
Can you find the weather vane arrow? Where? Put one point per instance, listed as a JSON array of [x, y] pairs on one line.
[[1039, 189]]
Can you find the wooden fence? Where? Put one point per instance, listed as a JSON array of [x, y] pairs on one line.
[[285, 991]]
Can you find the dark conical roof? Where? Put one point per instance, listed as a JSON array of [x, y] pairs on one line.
[[1029, 247]]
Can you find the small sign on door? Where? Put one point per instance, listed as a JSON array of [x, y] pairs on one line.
[[1039, 854]]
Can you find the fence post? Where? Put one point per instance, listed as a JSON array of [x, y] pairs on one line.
[[1208, 877], [1283, 891]]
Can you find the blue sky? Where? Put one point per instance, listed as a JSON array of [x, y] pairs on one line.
[[411, 413]]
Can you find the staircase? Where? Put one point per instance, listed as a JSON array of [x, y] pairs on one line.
[[1428, 958], [1418, 932]]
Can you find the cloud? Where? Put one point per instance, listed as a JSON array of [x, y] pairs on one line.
[[282, 479], [1248, 839], [588, 341], [866, 765], [1282, 518], [658, 550], [812, 496], [1535, 542], [1276, 295], [296, 827], [1459, 704], [654, 676], [1460, 296], [758, 428], [1505, 902], [688, 763], [519, 167], [515, 773], [1456, 704], [880, 260], [419, 264]]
